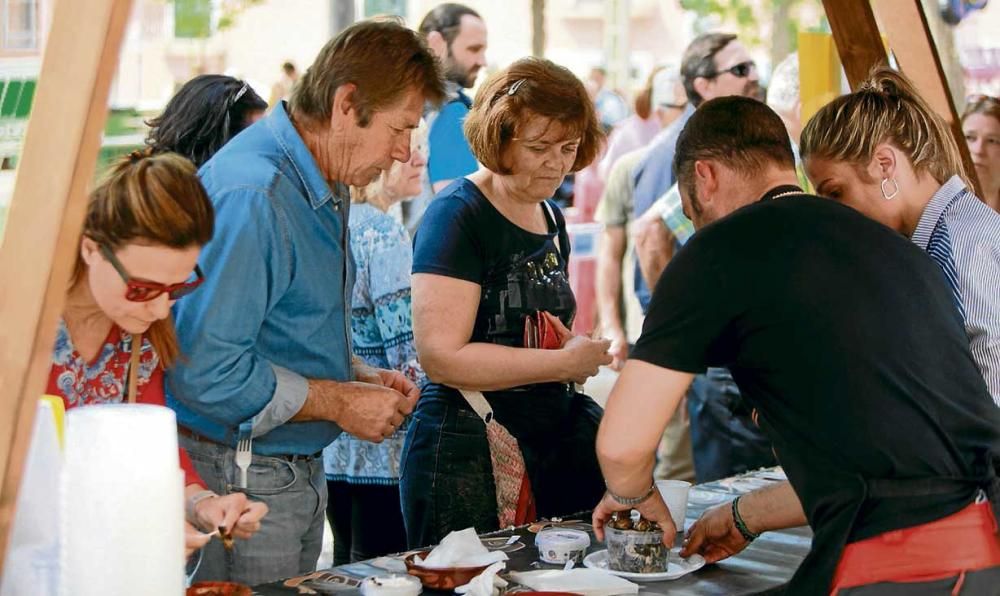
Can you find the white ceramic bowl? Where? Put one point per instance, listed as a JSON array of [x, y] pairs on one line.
[[391, 585]]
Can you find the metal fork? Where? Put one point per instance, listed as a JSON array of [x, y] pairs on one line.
[[244, 454]]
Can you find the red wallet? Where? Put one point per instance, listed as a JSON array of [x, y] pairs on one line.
[[540, 332]]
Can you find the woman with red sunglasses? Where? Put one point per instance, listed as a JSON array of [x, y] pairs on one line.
[[145, 226]]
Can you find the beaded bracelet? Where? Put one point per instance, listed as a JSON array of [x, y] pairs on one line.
[[740, 524]]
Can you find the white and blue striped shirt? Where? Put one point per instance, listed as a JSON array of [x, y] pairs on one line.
[[955, 221]]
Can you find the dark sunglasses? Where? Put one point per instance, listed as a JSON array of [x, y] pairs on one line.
[[144, 291], [741, 70]]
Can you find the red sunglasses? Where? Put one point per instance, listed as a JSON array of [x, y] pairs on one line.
[[144, 291]]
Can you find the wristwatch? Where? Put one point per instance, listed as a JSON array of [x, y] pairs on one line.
[[632, 501]]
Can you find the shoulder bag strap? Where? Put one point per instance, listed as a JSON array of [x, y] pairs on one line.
[[478, 402], [555, 222]]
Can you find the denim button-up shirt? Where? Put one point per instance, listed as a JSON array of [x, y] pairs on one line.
[[274, 309]]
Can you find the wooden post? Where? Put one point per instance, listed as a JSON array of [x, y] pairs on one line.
[[46, 213], [910, 38], [860, 45], [857, 36]]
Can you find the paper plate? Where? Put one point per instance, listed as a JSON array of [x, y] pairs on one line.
[[676, 567]]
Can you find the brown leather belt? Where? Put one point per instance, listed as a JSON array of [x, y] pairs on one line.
[[290, 457]]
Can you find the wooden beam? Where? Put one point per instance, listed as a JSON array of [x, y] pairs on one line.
[[857, 36], [912, 43], [43, 226]]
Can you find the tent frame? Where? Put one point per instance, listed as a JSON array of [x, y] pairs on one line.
[[63, 139]]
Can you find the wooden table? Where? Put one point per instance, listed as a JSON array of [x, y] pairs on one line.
[[762, 568]]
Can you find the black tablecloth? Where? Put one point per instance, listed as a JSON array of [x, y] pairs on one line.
[[763, 568]]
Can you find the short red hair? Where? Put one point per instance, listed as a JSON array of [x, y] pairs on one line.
[[531, 87]]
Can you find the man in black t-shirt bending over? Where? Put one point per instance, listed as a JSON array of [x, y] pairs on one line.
[[840, 332]]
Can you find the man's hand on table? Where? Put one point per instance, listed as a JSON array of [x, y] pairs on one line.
[[714, 536], [653, 509]]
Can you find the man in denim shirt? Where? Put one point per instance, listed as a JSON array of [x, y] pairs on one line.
[[266, 343]]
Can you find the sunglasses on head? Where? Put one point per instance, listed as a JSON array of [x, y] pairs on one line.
[[144, 291], [741, 70]]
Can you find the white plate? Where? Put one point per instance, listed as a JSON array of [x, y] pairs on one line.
[[707, 497], [776, 474], [676, 567]]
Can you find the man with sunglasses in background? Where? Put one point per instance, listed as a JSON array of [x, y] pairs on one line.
[[267, 378], [714, 65]]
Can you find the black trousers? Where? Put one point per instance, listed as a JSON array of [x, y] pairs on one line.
[[367, 521]]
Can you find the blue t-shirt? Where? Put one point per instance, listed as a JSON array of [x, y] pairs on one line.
[[450, 156], [463, 236], [652, 178]]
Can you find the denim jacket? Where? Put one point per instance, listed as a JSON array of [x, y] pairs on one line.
[[274, 309]]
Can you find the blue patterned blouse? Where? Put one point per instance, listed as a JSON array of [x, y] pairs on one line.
[[382, 330]]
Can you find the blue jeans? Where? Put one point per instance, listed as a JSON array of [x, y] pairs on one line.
[[724, 438], [291, 534], [446, 479]]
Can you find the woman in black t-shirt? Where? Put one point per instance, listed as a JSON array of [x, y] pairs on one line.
[[491, 252]]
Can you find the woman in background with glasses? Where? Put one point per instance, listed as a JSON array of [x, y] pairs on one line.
[[145, 225], [981, 125], [204, 115]]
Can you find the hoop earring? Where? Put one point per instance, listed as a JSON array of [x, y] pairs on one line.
[[887, 195]]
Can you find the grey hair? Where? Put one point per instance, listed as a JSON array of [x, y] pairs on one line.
[[418, 138], [783, 90]]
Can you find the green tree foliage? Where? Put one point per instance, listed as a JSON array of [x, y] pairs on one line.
[[746, 19], [193, 17]]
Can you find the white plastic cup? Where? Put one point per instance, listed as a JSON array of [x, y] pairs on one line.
[[675, 495]]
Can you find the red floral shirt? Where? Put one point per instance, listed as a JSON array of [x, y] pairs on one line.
[[104, 380]]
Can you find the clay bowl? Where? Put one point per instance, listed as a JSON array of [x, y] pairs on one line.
[[447, 578], [218, 589]]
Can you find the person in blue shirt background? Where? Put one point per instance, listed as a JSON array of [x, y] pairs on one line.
[[457, 36], [266, 342], [714, 65]]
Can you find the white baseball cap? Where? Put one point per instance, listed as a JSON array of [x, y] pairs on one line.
[[665, 86]]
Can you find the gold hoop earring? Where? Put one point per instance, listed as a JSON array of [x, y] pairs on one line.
[[887, 195]]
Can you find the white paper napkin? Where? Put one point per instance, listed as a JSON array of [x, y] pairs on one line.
[[461, 549], [486, 583], [587, 582]]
